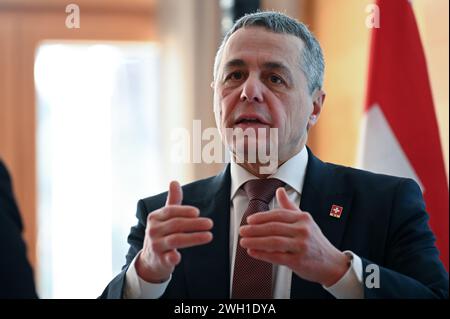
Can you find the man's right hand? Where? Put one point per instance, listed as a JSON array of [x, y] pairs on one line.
[[169, 228]]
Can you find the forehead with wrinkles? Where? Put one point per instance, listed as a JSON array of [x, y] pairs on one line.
[[256, 45]]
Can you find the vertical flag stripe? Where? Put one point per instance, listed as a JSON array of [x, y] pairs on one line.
[[398, 84]]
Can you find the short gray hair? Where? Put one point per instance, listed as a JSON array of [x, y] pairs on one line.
[[312, 62]]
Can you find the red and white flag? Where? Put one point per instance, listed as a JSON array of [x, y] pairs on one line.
[[400, 135]]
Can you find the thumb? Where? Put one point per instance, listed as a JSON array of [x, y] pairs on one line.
[[283, 200], [175, 194]]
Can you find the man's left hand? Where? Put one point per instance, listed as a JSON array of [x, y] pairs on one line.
[[290, 237]]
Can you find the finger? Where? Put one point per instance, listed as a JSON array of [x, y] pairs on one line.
[[268, 244], [176, 241], [275, 215], [173, 211], [284, 201], [272, 257], [181, 225], [175, 194], [267, 229], [172, 257]]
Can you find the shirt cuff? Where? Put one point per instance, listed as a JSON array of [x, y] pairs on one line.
[[350, 286], [138, 288]]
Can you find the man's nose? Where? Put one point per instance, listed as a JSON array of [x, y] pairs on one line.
[[252, 90]]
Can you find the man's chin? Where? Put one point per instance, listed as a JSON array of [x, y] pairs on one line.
[[249, 149], [255, 152]]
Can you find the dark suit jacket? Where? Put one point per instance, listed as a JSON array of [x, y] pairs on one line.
[[16, 277], [383, 221]]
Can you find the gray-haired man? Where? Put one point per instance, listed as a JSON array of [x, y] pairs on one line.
[[329, 231]]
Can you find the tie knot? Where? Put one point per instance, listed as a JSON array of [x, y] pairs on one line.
[[262, 189]]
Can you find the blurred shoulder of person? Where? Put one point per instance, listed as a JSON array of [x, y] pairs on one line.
[[16, 274]]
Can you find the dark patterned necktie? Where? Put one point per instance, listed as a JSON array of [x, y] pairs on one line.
[[252, 277]]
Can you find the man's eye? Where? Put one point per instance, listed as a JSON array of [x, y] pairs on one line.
[[276, 79], [235, 76]]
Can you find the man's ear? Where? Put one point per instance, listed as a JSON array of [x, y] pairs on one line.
[[318, 99]]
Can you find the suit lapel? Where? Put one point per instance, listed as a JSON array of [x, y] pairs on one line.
[[320, 192], [207, 267]]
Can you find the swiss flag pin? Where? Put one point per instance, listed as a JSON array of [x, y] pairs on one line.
[[336, 211]]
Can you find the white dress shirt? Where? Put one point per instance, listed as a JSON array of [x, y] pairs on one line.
[[292, 173]]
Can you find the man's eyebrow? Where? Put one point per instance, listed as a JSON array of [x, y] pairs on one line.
[[272, 65], [234, 63]]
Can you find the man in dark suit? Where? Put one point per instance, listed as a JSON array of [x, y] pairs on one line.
[[16, 277], [305, 229]]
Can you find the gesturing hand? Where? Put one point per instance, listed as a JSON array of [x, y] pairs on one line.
[[169, 228], [290, 237]]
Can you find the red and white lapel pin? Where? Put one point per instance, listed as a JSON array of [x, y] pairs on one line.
[[336, 211]]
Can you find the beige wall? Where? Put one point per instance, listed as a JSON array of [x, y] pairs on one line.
[[190, 35]]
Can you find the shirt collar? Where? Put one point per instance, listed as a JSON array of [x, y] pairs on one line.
[[292, 172]]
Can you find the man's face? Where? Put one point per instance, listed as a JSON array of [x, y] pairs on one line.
[[260, 85]]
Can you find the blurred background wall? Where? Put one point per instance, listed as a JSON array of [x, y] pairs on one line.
[[86, 114]]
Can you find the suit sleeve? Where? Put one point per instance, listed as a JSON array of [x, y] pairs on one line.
[[16, 275], [115, 288], [412, 268], [8, 203]]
